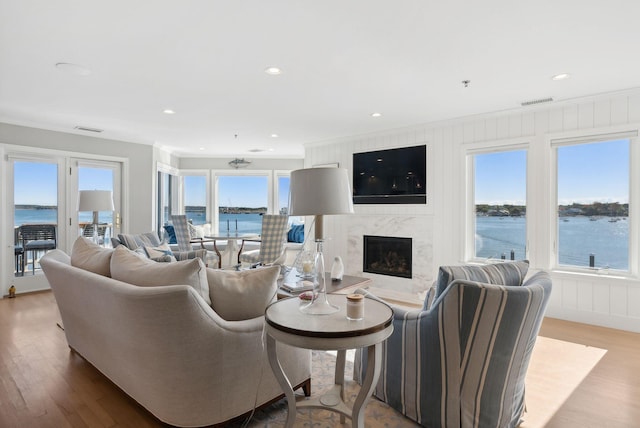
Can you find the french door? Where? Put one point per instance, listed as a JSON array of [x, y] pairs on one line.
[[42, 210]]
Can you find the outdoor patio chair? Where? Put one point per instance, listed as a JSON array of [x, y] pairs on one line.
[[37, 238]]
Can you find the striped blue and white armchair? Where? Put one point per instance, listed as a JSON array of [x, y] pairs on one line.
[[462, 362]]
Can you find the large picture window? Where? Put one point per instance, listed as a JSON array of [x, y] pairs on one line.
[[593, 204], [499, 200], [242, 199]]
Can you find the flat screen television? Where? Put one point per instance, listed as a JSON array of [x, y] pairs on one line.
[[393, 176]]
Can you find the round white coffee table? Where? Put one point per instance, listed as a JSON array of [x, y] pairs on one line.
[[286, 324]]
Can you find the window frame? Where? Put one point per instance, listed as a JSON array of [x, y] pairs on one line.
[[469, 254], [577, 138]]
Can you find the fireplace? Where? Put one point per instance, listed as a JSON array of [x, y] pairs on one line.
[[386, 255]]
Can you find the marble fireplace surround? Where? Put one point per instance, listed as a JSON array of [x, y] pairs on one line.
[[409, 290]]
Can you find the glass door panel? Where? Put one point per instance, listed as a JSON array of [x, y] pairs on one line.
[[34, 198]]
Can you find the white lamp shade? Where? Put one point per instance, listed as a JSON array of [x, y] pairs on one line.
[[95, 200], [320, 191]]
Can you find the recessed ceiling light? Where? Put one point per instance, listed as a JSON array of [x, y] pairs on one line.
[[168, 111], [271, 149], [201, 148], [76, 69], [561, 76], [376, 114], [274, 135], [274, 71]]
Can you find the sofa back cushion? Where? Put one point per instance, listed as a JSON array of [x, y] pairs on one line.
[[148, 239], [87, 255], [240, 295], [128, 267], [508, 273]]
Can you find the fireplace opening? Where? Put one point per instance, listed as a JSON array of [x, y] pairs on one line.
[[387, 255]]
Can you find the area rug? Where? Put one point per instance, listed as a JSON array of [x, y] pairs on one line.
[[555, 370]]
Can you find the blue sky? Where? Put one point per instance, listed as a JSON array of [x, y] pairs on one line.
[[249, 191], [586, 173]]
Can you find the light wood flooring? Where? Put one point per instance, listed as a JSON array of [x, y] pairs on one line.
[[44, 384]]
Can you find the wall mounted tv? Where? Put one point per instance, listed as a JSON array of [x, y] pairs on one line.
[[394, 176]]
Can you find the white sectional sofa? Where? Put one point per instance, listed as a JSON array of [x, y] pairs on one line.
[[165, 346]]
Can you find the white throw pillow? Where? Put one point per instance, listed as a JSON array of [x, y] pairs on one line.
[[89, 256], [244, 294], [128, 267]]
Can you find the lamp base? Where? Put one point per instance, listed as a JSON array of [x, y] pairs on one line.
[[319, 306]]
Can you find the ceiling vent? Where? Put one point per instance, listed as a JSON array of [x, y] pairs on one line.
[[86, 128], [534, 102]]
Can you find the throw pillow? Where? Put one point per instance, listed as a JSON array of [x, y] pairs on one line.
[[128, 267], [240, 295], [140, 240], [87, 255], [171, 233], [296, 233], [161, 253], [508, 273]]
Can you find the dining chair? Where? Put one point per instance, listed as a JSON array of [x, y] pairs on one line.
[[184, 241], [272, 240], [36, 238]]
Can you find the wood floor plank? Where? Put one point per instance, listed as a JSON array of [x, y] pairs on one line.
[[45, 384]]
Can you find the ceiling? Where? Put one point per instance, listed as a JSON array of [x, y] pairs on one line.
[[341, 61]]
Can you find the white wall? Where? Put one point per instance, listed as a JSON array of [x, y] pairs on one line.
[[139, 198], [438, 229]]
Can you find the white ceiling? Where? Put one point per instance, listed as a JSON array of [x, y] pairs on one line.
[[341, 59]]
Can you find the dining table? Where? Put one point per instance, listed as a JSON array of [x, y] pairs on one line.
[[231, 250]]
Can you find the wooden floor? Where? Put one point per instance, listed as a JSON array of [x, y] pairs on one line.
[[44, 384]]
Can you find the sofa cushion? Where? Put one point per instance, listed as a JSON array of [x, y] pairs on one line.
[[87, 255], [128, 267], [140, 240], [239, 295], [296, 233], [508, 273]]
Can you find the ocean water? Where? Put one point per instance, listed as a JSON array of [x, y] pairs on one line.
[[578, 238], [242, 223]]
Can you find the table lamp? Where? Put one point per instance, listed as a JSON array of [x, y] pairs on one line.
[[320, 192], [96, 201]]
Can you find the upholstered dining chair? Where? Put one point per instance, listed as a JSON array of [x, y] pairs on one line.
[[462, 362], [272, 240], [183, 239]]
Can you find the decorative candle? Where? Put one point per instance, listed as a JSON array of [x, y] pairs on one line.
[[307, 267], [355, 307]]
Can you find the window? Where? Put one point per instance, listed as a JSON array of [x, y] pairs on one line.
[[194, 189], [499, 200], [242, 199], [167, 189], [283, 195], [593, 204]]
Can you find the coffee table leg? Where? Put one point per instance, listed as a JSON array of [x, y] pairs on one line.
[[282, 380], [374, 355]]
